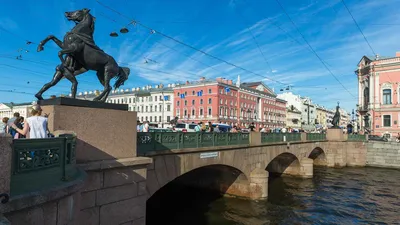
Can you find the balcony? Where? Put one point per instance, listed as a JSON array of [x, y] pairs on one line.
[[362, 108], [363, 71]]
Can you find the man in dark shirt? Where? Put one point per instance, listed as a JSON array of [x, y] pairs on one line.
[[252, 127]]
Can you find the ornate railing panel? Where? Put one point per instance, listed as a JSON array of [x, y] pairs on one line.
[[280, 137], [36, 162], [158, 141], [315, 137], [356, 137]]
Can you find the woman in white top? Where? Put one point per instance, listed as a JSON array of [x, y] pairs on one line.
[[35, 126]]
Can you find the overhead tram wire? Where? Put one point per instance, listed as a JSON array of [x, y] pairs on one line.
[[182, 53], [189, 46], [316, 54], [254, 39], [358, 27], [362, 33]]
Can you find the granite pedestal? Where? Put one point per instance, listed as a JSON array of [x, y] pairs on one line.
[[335, 134], [105, 131]]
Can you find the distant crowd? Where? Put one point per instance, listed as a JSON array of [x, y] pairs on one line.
[[34, 126]]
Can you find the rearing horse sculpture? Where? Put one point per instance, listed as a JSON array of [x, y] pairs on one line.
[[81, 55]]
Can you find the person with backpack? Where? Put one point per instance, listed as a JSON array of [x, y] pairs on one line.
[[11, 130]]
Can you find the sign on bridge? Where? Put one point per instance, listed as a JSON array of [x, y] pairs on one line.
[[209, 155]]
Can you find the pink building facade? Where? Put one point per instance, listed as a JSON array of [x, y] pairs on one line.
[[379, 99], [223, 101]]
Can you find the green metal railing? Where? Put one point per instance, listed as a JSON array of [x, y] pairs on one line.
[[356, 137], [315, 137], [41, 163], [159, 141], [280, 137]]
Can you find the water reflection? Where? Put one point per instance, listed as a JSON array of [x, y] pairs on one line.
[[333, 196]]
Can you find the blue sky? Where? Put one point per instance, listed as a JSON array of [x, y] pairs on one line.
[[228, 29]]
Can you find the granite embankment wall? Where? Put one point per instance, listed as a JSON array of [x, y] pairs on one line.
[[383, 154]]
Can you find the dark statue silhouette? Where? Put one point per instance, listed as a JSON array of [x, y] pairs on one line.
[[82, 54], [336, 118]]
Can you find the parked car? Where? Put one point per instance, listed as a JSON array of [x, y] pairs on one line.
[[376, 138], [185, 127], [160, 130], [222, 127]]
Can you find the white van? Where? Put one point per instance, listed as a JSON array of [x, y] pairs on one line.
[[185, 127]]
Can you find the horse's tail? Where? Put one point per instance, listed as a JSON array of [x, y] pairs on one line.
[[122, 76]]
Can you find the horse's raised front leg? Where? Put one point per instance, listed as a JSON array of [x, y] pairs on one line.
[[48, 38]]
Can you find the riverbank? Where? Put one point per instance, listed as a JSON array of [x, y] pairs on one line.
[[383, 154]]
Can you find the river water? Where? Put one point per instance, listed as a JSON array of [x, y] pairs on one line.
[[333, 196]]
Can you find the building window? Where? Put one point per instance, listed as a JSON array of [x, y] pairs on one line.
[[168, 119], [177, 112], [155, 109], [130, 100], [209, 101], [155, 119], [209, 111], [221, 111], [179, 94], [185, 93], [221, 101], [177, 103], [209, 91], [201, 112], [159, 118], [168, 108], [155, 99], [193, 93], [185, 102], [193, 102], [150, 99], [151, 108], [201, 101], [386, 121], [193, 113], [387, 96], [185, 112]]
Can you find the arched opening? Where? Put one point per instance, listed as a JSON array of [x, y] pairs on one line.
[[188, 198], [319, 157], [283, 164]]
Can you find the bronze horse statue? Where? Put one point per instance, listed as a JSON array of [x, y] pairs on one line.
[[82, 54]]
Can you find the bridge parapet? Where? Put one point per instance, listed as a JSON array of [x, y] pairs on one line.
[[42, 175]]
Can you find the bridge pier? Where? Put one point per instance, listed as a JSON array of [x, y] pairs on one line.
[[300, 168], [258, 188]]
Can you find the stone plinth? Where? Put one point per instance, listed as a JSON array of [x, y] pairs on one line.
[[335, 134], [5, 163], [105, 131], [255, 138]]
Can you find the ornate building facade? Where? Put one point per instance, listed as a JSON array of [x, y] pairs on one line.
[[378, 106], [222, 101]]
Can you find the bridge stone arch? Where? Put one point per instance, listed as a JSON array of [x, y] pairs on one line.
[[284, 163], [170, 168], [319, 156]]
